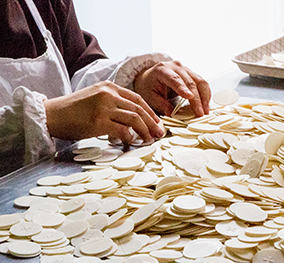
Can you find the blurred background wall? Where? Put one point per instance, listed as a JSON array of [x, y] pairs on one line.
[[202, 34]]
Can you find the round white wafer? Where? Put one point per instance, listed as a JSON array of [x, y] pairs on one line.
[[120, 228], [189, 204], [231, 228], [260, 231], [236, 243], [87, 236], [112, 204], [53, 180], [142, 213], [220, 167], [48, 236], [128, 245], [273, 142], [72, 205], [217, 193], [201, 248], [6, 221], [166, 254], [74, 228], [107, 155], [248, 212], [143, 179], [24, 249], [273, 255], [25, 201], [127, 163], [48, 219], [25, 229], [74, 178], [96, 246], [116, 216], [61, 258], [98, 221], [216, 260], [202, 128], [226, 97], [242, 155]]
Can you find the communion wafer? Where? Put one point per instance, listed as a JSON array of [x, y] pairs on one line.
[[107, 155], [72, 205], [48, 236], [226, 97], [217, 193], [74, 178], [127, 163], [74, 228], [144, 258], [166, 254], [236, 243], [243, 127], [6, 221], [61, 258], [96, 246], [201, 248], [142, 213], [48, 219], [189, 204], [260, 231], [248, 212], [25, 229], [24, 249], [231, 228], [120, 228], [98, 221], [273, 255], [50, 180], [88, 235], [112, 204]]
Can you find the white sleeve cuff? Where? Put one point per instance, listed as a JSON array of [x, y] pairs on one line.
[[125, 74], [38, 142], [122, 73]]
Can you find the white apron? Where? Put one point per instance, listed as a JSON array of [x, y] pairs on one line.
[[46, 74]]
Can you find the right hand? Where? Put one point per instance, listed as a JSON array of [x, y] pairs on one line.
[[103, 108]]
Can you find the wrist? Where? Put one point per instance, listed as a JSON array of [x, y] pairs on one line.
[[50, 106]]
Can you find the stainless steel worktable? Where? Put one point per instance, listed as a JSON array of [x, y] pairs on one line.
[[21, 181]]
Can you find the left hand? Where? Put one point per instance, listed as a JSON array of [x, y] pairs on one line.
[[157, 83]]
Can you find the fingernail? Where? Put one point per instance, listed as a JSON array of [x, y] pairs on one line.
[[199, 112], [160, 133], [207, 109]]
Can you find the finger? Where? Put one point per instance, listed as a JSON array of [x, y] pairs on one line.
[[132, 119], [137, 99], [196, 101], [137, 113], [203, 88], [168, 77], [121, 132]]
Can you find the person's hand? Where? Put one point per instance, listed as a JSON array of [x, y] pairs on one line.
[[157, 84], [104, 108]]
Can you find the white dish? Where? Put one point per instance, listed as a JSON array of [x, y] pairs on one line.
[[251, 61]]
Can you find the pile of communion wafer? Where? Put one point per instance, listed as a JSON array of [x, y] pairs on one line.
[[210, 192]]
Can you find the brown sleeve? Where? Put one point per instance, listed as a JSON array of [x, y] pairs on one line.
[[79, 48], [20, 36]]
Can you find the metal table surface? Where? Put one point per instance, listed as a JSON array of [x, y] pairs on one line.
[[19, 183]]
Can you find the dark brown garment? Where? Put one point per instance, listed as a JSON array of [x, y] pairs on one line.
[[20, 37]]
